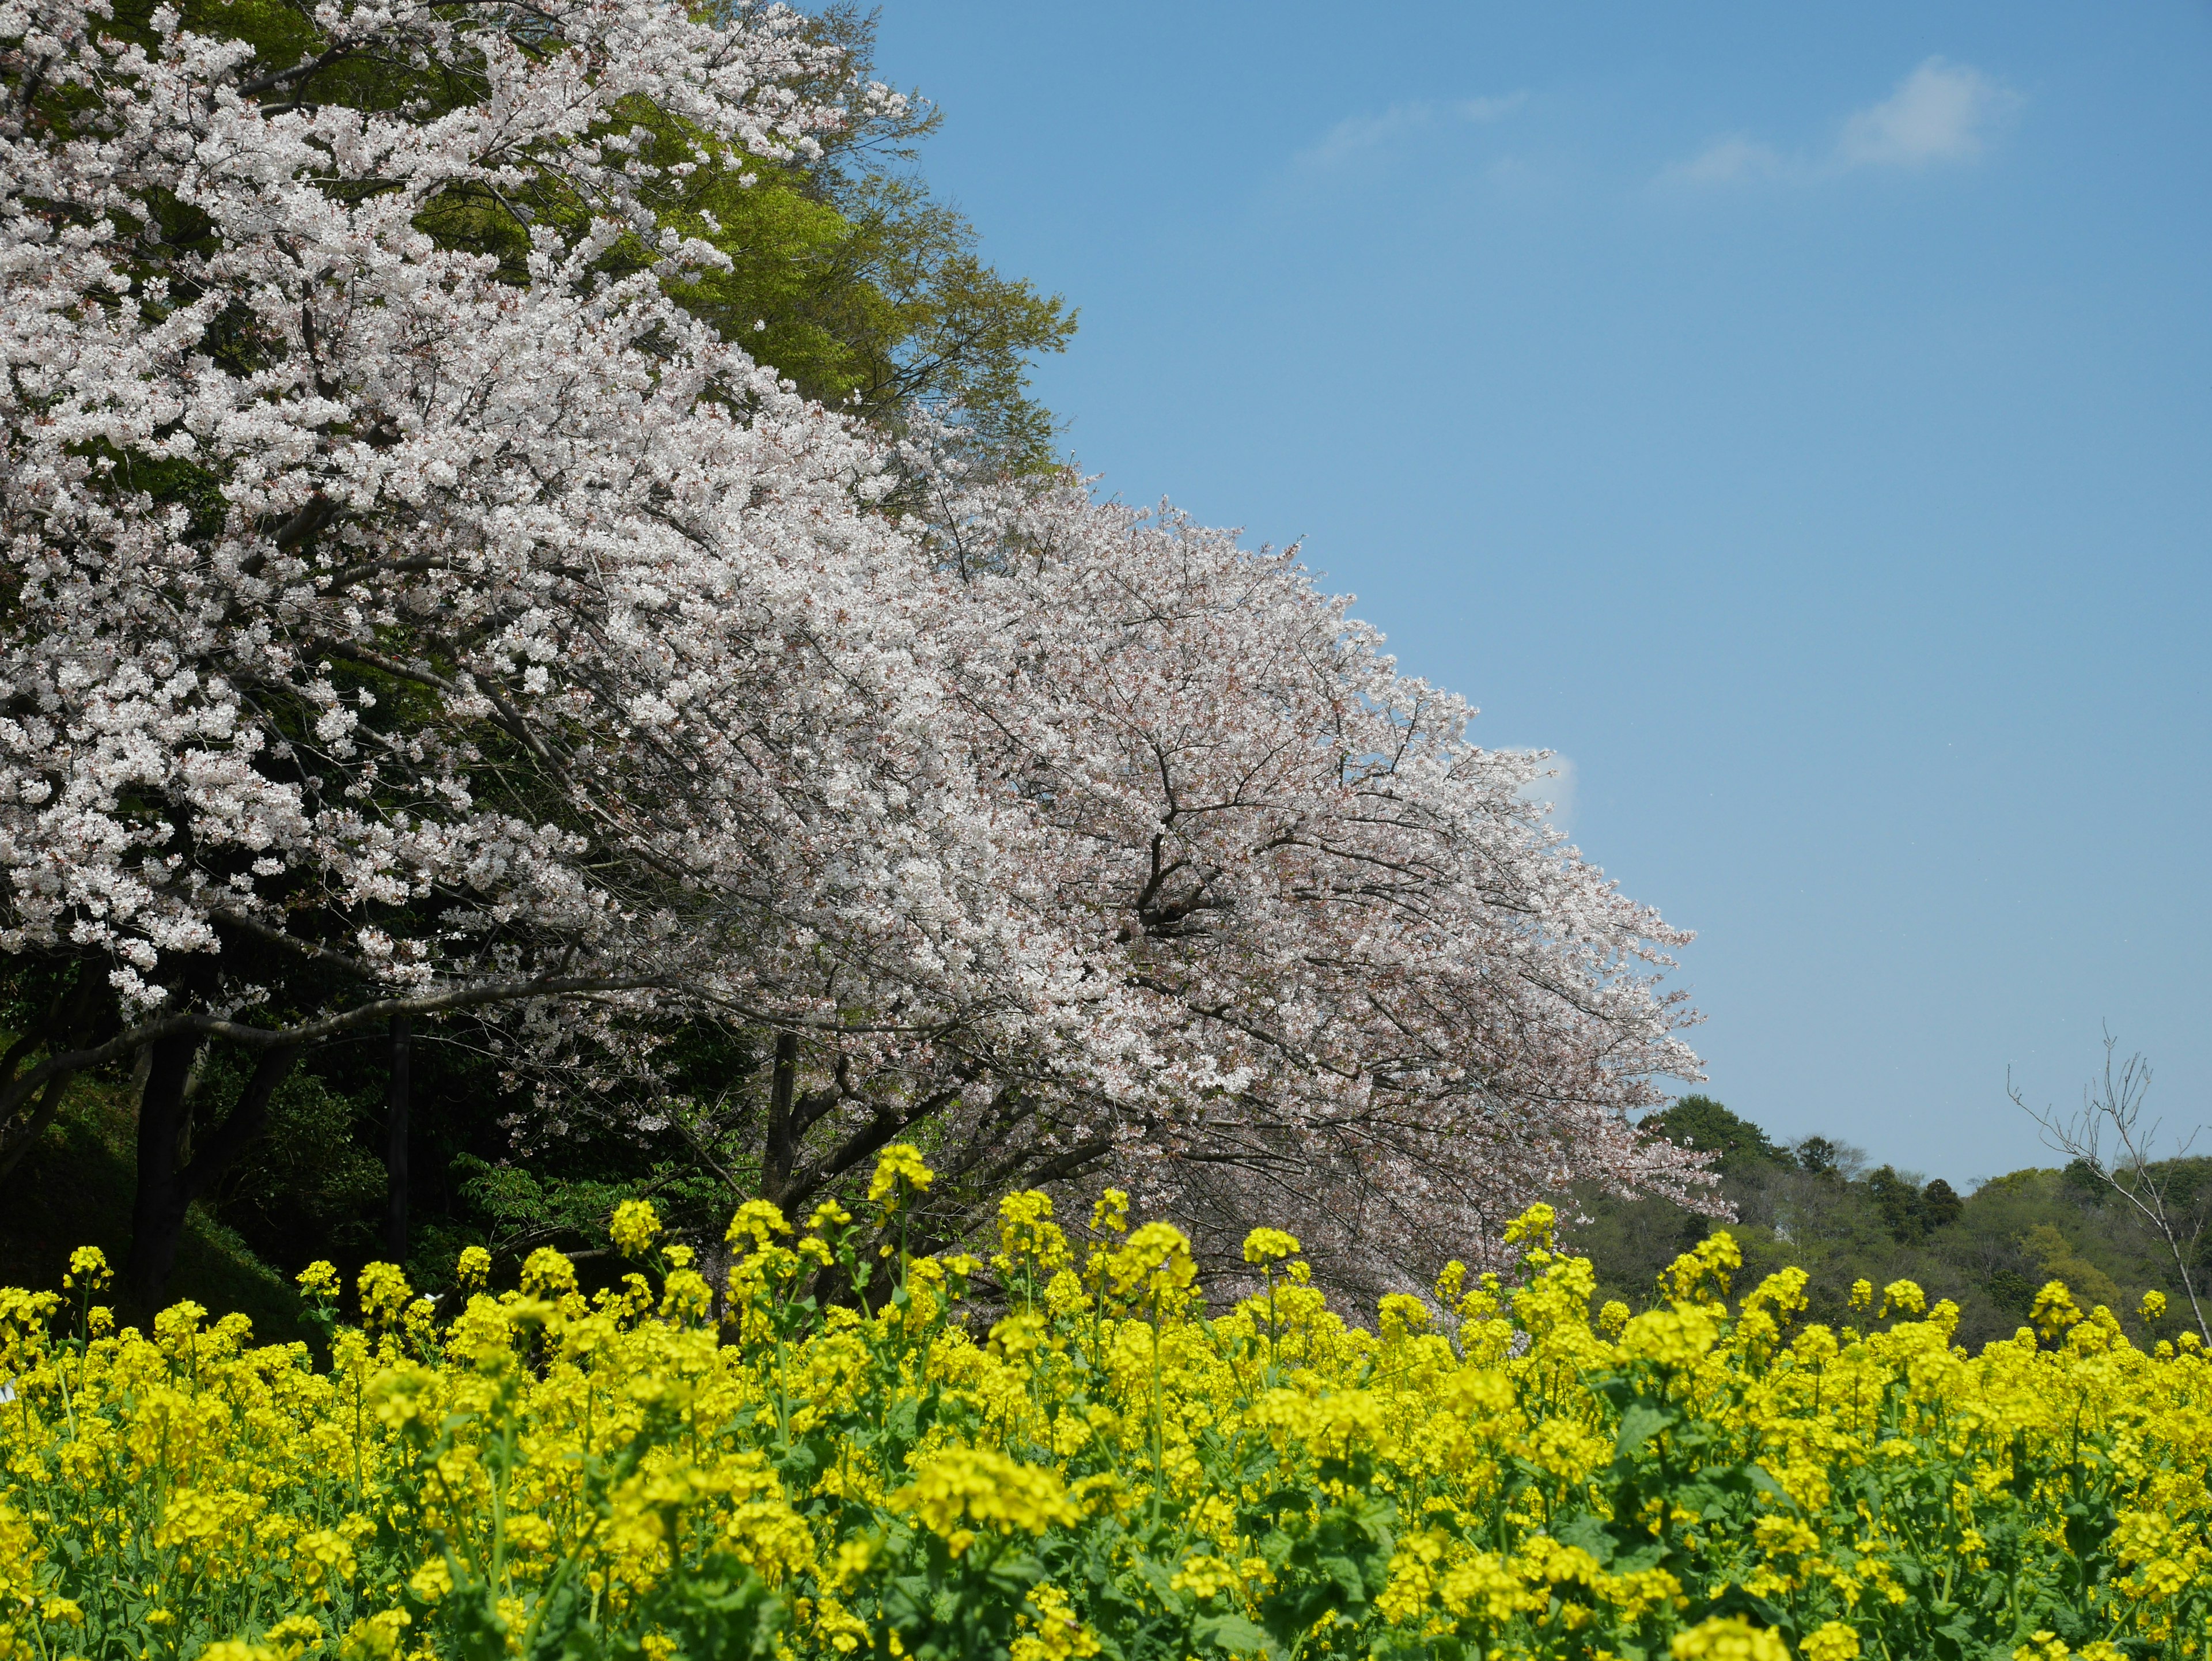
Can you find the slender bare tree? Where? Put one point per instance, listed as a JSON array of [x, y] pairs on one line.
[[2108, 1138]]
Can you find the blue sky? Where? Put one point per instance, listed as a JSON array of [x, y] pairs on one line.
[[1798, 418]]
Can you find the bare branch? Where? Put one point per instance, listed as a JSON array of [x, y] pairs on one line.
[[2112, 1107]]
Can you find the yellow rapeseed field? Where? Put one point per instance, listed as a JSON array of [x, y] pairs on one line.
[[1108, 1470]]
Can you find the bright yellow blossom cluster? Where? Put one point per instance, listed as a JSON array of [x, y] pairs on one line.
[[634, 1228], [1076, 1457]]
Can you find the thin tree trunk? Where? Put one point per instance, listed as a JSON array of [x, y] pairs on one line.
[[780, 1150], [42, 1114], [395, 1141]]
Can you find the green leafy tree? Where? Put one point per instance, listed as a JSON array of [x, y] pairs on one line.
[[1701, 1122]]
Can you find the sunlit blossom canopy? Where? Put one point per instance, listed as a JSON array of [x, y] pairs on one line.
[[390, 629]]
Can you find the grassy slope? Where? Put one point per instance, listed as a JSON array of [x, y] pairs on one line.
[[74, 1189]]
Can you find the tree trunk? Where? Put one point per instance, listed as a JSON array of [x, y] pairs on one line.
[[780, 1150], [395, 1142], [167, 1184], [157, 1213]]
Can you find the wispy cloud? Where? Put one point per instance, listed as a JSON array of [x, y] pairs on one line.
[[1940, 113], [1361, 136], [1726, 161]]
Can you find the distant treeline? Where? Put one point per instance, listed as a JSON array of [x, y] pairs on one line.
[[1815, 1204]]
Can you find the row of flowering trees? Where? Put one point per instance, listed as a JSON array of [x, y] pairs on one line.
[[411, 610]]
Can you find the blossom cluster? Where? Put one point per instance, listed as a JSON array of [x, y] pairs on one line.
[[1093, 1462]]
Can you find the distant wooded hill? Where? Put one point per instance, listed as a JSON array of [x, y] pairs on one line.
[[1817, 1204]]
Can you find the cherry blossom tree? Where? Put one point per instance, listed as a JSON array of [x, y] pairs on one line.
[[388, 635], [397, 626], [1377, 991]]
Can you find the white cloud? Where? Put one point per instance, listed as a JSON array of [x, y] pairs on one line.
[[1363, 135], [1489, 109], [1941, 113]]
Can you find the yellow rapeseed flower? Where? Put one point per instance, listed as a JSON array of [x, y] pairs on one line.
[[976, 1486], [1904, 1295], [1727, 1639], [1678, 1337], [1153, 1263], [1028, 1236], [88, 1270], [898, 1168], [635, 1228], [319, 1280], [2054, 1309], [756, 1224], [1052, 1630], [855, 1469]]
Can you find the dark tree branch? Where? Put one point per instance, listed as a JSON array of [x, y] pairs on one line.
[[781, 1146], [200, 1027]]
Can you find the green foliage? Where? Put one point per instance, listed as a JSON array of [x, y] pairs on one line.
[[1813, 1204], [918, 316], [1703, 1124], [517, 1208], [870, 295], [310, 1178]]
